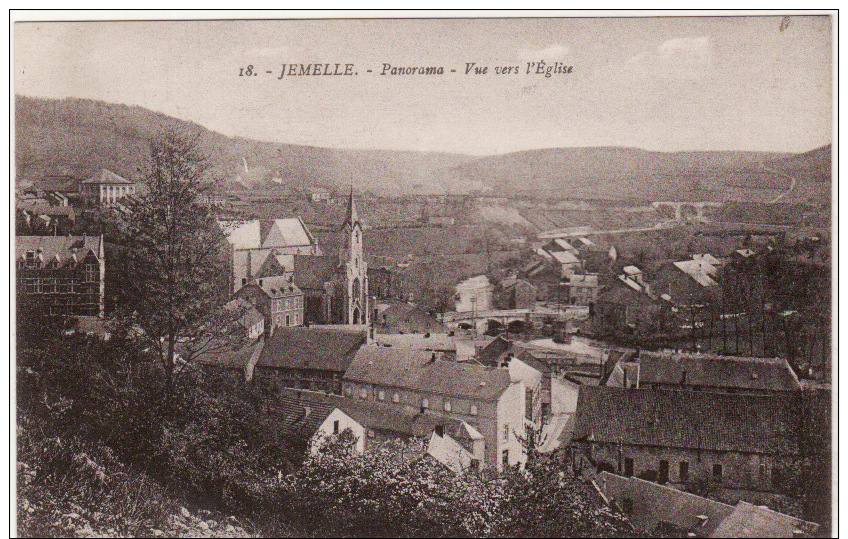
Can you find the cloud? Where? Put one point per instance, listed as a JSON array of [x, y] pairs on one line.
[[688, 51], [553, 52], [687, 58]]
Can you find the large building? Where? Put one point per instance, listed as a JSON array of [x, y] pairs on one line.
[[264, 248], [64, 275], [417, 382], [736, 443], [106, 188]]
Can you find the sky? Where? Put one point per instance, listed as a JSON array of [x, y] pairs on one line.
[[664, 84]]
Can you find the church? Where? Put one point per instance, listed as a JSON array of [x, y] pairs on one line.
[[335, 288]]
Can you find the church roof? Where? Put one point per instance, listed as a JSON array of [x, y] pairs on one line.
[[264, 234], [352, 216], [107, 177]]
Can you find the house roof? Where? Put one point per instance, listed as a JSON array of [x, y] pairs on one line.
[[302, 412], [61, 184], [565, 257], [417, 341], [632, 270], [749, 520], [310, 348], [623, 294], [278, 286], [688, 419], [699, 270], [492, 353], [63, 247], [654, 503], [45, 209], [584, 280], [250, 316], [709, 370], [564, 245], [311, 272], [415, 369], [376, 415], [107, 177], [266, 233]]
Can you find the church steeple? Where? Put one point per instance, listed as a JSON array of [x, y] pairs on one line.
[[352, 216]]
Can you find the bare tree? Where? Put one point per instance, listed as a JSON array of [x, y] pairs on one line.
[[172, 290]]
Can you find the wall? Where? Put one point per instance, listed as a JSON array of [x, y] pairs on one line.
[[511, 411], [327, 430], [563, 396], [749, 471], [485, 420]]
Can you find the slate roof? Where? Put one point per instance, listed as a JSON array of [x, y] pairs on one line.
[[376, 415], [749, 520], [278, 286], [302, 412], [707, 370], [63, 246], [267, 233], [565, 257], [311, 272], [624, 295], [417, 341], [415, 369], [689, 419], [699, 270], [107, 176], [311, 348]]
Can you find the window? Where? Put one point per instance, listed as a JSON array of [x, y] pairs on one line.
[[447, 406], [663, 476], [288, 320], [475, 464], [473, 409], [684, 471], [505, 458], [627, 505], [425, 403], [363, 393], [90, 272], [347, 390], [336, 426], [628, 467], [776, 477], [440, 430], [717, 472], [371, 433], [396, 398], [506, 433], [381, 395]]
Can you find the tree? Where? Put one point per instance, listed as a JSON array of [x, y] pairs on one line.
[[173, 274]]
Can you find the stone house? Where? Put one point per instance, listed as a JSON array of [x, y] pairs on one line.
[[515, 293], [417, 382], [736, 443], [251, 319], [451, 442], [63, 274], [278, 299], [307, 358], [583, 289]]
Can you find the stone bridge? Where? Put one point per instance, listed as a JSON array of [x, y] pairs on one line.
[[679, 206]]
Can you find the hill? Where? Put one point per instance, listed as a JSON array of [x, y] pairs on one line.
[[79, 137], [614, 173]]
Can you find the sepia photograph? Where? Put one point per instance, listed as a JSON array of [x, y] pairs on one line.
[[423, 274]]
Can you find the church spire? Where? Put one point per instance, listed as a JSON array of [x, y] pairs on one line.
[[352, 217]]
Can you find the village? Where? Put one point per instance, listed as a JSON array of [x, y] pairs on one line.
[[690, 394]]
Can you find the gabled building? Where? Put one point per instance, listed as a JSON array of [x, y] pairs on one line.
[[451, 442], [278, 299], [64, 275], [251, 319], [307, 358], [106, 188], [733, 442], [583, 289], [251, 243], [417, 382]]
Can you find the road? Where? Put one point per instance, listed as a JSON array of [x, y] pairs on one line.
[[779, 197]]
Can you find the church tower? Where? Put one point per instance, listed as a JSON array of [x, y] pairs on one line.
[[356, 271]]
